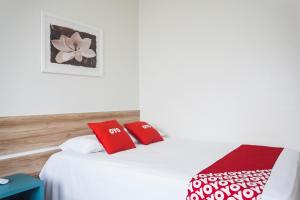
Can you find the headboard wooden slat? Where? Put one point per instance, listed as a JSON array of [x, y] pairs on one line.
[[30, 132], [25, 133], [29, 164]]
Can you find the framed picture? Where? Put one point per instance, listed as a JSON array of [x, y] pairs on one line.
[[69, 47]]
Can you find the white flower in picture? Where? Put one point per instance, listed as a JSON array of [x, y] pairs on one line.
[[70, 47], [73, 47]]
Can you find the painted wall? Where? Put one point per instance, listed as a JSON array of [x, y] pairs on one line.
[[24, 90], [222, 70]]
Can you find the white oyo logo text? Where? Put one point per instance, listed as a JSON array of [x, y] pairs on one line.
[[146, 126], [114, 131]]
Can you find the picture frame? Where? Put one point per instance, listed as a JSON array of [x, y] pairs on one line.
[[69, 47]]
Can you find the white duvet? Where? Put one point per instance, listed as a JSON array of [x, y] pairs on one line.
[[159, 171]]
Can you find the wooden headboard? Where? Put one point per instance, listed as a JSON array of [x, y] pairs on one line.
[[27, 133]]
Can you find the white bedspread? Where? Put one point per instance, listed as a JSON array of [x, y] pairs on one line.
[[160, 171]]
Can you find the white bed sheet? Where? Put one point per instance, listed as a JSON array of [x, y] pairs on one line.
[[158, 171]]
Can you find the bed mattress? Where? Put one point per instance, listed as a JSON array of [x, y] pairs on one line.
[[157, 171]]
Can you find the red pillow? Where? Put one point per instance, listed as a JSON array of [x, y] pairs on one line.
[[112, 136], [143, 132]]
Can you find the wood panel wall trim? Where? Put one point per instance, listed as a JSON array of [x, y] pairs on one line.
[[26, 153], [29, 164], [23, 133], [26, 133]]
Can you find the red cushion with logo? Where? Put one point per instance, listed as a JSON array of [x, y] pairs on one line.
[[143, 132], [112, 136]]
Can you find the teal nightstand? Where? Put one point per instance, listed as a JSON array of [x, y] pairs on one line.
[[22, 187]]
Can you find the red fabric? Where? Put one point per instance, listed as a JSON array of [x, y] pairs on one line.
[[112, 136], [143, 132], [241, 174], [246, 157]]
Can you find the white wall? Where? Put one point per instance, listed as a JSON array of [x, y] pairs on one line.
[[222, 70], [24, 90]]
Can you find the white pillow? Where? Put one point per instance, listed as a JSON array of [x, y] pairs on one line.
[[82, 144]]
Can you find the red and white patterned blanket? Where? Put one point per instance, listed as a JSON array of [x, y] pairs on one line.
[[240, 175]]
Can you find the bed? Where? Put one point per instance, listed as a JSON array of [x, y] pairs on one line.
[[158, 171]]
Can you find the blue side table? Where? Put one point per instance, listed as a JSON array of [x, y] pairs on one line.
[[22, 187]]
